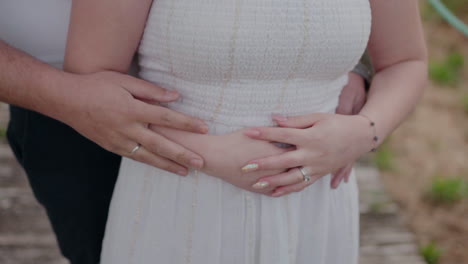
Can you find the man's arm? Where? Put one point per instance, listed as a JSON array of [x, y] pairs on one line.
[[27, 82], [105, 107]]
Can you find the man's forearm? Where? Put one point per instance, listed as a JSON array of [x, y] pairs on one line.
[[29, 83]]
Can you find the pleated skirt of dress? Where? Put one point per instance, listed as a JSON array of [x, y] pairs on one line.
[[160, 217]]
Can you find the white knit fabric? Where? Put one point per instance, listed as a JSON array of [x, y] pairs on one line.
[[235, 62]]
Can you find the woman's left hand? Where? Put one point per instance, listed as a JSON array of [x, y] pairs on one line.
[[324, 143]]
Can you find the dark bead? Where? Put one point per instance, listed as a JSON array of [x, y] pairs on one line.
[[372, 123], [376, 138], [373, 150]]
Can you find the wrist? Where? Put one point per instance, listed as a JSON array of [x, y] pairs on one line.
[[57, 95], [367, 133]]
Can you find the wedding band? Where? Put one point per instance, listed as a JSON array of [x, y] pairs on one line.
[[304, 174], [135, 149]]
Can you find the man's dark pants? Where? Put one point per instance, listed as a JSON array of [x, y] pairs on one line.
[[72, 177]]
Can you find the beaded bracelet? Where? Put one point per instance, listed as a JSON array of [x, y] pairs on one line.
[[375, 139]]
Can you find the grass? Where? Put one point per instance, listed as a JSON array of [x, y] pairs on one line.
[[431, 253], [384, 158], [448, 190], [448, 71]]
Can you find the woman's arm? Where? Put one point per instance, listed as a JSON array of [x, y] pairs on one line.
[[399, 56], [104, 35], [326, 142]]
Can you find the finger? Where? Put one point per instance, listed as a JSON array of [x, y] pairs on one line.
[[290, 177], [344, 173], [163, 147], [345, 104], [144, 156], [359, 102], [284, 190], [302, 121], [276, 134], [348, 173], [162, 116], [337, 178], [285, 160], [142, 89]]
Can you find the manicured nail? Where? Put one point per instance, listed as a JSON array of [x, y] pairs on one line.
[[280, 118], [203, 128], [252, 133], [278, 193], [169, 95], [197, 163], [250, 167], [260, 185], [182, 172]]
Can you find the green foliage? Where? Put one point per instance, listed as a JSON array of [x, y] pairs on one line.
[[448, 190], [447, 72], [2, 133], [428, 13], [458, 7], [464, 102], [431, 253], [384, 158], [455, 61], [379, 207]]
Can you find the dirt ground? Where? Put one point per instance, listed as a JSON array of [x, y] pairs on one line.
[[433, 142]]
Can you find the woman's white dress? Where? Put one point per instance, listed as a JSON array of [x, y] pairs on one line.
[[235, 62]]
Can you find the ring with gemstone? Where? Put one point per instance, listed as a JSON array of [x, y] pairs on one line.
[[305, 176]]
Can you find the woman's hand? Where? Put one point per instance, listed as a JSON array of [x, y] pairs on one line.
[[224, 155], [324, 143]]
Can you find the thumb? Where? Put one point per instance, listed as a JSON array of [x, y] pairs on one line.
[[147, 91], [302, 121]]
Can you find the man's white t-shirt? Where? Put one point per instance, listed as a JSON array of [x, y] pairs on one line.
[[37, 27]]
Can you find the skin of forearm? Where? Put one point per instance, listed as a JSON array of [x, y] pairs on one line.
[[393, 95], [29, 83]]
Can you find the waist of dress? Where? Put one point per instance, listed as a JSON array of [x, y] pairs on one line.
[[246, 103]]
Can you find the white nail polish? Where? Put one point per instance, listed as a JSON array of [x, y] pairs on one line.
[[250, 167], [260, 185], [278, 193]]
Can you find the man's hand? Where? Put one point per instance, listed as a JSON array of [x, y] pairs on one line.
[[352, 99], [114, 110]]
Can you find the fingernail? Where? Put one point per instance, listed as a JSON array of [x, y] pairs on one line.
[[203, 128], [250, 167], [182, 172], [280, 118], [169, 95], [198, 163], [260, 185], [252, 133], [278, 193]]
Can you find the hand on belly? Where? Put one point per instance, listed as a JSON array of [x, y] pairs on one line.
[[224, 155]]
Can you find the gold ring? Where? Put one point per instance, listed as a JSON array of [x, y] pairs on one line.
[[135, 149]]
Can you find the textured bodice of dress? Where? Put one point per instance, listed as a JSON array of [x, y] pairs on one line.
[[235, 62]]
